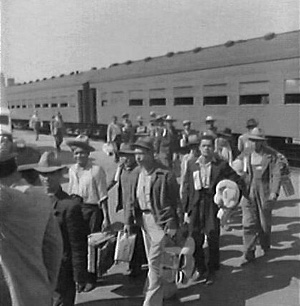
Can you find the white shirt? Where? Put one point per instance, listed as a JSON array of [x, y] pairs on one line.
[[143, 190], [88, 182]]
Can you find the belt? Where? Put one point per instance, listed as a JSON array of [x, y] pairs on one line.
[[146, 211]]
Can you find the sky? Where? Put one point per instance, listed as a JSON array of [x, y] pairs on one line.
[[44, 38]]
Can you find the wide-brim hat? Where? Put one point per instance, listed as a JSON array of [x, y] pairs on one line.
[[169, 118], [6, 148], [257, 134], [126, 148], [124, 115], [27, 167], [226, 132], [82, 142], [209, 118], [186, 122], [157, 118], [48, 163], [251, 123], [144, 143]]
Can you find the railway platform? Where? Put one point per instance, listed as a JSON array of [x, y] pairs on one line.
[[273, 280]]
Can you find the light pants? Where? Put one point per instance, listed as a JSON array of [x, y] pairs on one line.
[[154, 240]]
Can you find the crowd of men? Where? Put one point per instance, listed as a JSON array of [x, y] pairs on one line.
[[44, 230]]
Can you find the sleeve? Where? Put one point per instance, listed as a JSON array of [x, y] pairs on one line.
[[100, 177], [70, 186], [276, 176], [241, 143], [108, 134], [129, 214], [52, 249], [77, 233], [185, 188]]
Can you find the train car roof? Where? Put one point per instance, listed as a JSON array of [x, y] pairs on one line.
[[271, 47]]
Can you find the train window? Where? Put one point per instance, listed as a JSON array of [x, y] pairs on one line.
[[136, 102], [12, 106], [184, 101], [18, 106], [23, 106], [218, 100], [37, 105], [157, 102], [45, 105], [254, 99], [292, 98], [53, 104], [63, 104]]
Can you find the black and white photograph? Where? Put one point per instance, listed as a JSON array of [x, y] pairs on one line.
[[150, 153]]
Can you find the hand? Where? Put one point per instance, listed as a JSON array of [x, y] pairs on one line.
[[273, 197], [171, 232], [80, 287], [127, 229], [106, 223], [186, 218]]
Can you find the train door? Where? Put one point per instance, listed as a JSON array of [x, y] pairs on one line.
[[87, 104]]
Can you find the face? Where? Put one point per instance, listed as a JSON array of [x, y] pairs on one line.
[[187, 127], [143, 157], [128, 160], [51, 181], [206, 147], [81, 156], [210, 124]]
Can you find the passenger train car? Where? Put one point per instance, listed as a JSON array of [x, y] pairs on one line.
[[255, 78]]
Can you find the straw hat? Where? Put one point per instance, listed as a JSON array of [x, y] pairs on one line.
[[48, 163], [209, 118], [169, 118], [186, 122], [257, 134], [82, 142]]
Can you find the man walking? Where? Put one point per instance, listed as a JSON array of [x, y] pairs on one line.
[[154, 204], [199, 187]]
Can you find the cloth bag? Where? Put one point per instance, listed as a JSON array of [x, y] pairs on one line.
[[124, 247], [108, 149]]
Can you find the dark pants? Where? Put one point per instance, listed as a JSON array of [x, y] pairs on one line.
[[93, 217], [139, 254], [213, 260], [58, 140], [65, 297]]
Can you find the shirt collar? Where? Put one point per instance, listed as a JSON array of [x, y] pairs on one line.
[[200, 160]]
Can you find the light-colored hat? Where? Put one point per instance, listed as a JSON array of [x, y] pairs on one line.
[[152, 114], [186, 122], [169, 118], [227, 194], [139, 118], [6, 148], [82, 142], [209, 118], [48, 163], [257, 134]]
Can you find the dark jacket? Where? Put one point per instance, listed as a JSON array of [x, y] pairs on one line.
[[204, 201], [164, 198], [74, 234]]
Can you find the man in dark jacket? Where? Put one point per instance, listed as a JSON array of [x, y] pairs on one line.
[[72, 275], [199, 187]]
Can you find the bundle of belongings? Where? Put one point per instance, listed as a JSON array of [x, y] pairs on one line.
[[101, 250], [285, 173], [227, 198], [178, 261]]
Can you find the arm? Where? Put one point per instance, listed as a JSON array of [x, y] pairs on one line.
[[52, 249], [78, 241], [108, 134], [276, 179]]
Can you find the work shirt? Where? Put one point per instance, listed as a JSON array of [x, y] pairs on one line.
[[202, 177], [143, 190], [88, 182]]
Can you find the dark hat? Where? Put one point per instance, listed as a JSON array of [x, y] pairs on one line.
[[251, 123], [82, 142], [226, 132], [157, 118], [144, 143], [126, 148], [48, 163], [257, 134]]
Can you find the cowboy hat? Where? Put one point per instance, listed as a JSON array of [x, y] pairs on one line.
[[169, 118], [209, 118], [186, 122], [81, 141], [257, 134], [144, 143], [251, 123], [126, 148], [125, 115], [48, 163], [226, 132]]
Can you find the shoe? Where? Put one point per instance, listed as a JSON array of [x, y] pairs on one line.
[[200, 277], [247, 259], [211, 277], [89, 287]]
